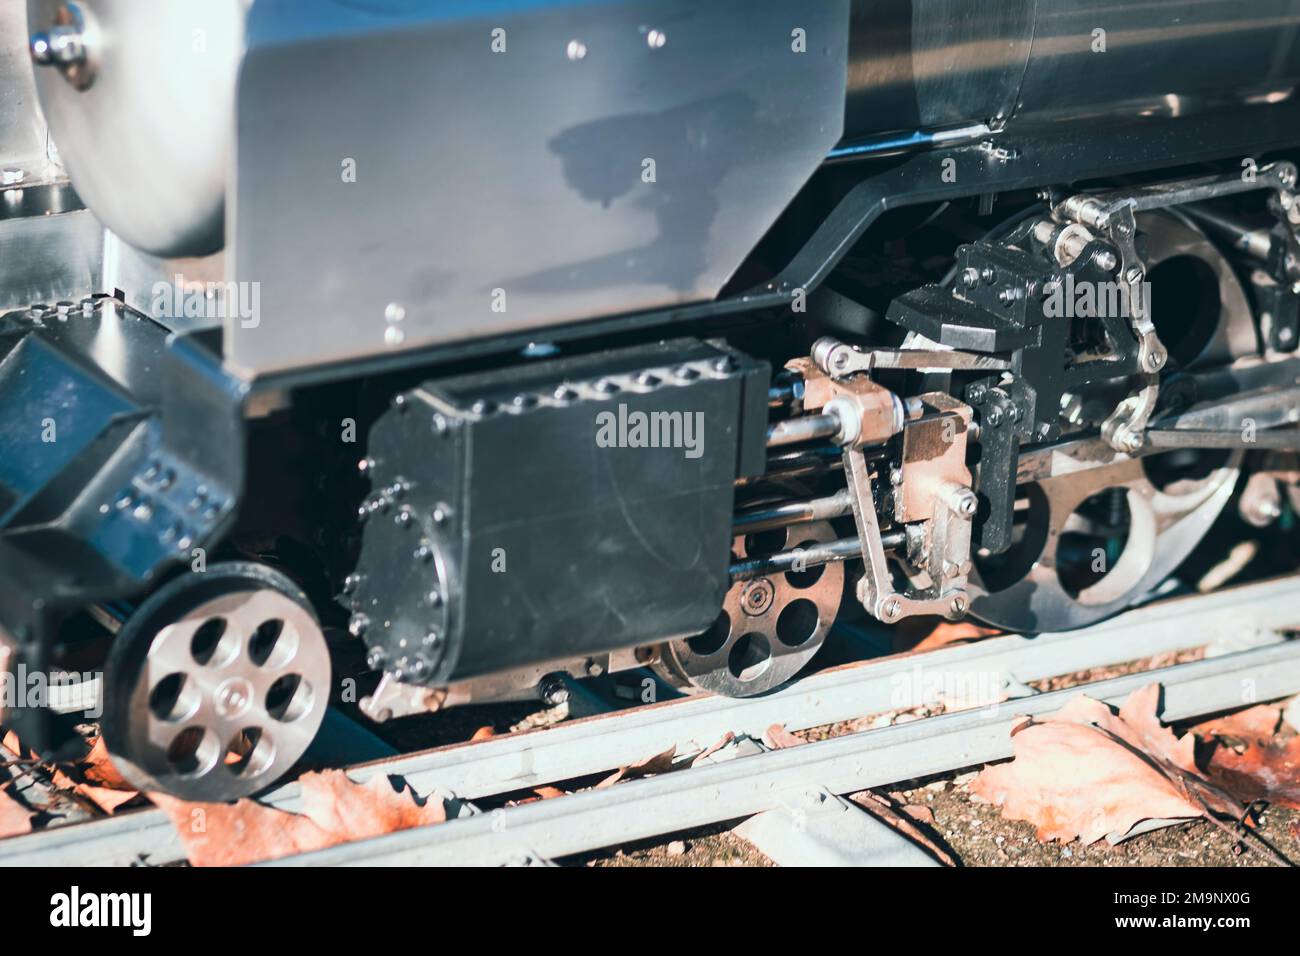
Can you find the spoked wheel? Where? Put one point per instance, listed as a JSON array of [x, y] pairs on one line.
[[1089, 544], [217, 685], [1093, 541], [769, 628]]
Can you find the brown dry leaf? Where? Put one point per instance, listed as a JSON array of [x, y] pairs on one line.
[[11, 743], [549, 793], [659, 763], [1253, 723], [15, 819], [1136, 724], [726, 738], [359, 811], [335, 810], [98, 768], [236, 834], [1087, 772], [920, 813], [483, 733], [1262, 772], [1250, 760], [777, 737], [95, 778]]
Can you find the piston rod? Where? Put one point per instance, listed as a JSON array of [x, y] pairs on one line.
[[794, 431], [767, 517], [798, 559]]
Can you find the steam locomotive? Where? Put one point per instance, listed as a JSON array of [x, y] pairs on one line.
[[495, 342]]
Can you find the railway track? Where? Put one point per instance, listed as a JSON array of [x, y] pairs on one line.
[[790, 796]]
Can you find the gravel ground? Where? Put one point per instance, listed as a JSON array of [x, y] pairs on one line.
[[977, 835], [974, 833], [710, 846]]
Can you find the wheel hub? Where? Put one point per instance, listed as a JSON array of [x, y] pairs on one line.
[[769, 627], [218, 685]]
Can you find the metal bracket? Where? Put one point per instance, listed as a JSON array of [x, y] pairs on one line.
[[952, 520], [839, 360], [1112, 214]]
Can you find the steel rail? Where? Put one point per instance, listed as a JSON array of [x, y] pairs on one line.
[[776, 779], [1249, 616]]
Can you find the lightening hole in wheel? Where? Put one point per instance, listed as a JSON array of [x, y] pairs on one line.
[[1092, 542], [213, 645], [289, 698], [764, 543], [1180, 471], [1185, 307], [797, 622], [249, 753], [750, 656], [1029, 522], [192, 752], [174, 698], [809, 576], [712, 640], [271, 646]]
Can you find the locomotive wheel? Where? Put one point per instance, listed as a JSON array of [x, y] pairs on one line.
[[769, 628], [1095, 541], [217, 685], [1092, 543]]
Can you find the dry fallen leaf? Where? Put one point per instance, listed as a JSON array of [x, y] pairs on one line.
[[777, 737], [709, 751], [1087, 772], [1250, 760], [11, 743], [1253, 723], [483, 733], [659, 763], [1263, 772], [95, 778], [920, 813], [335, 810], [359, 811]]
